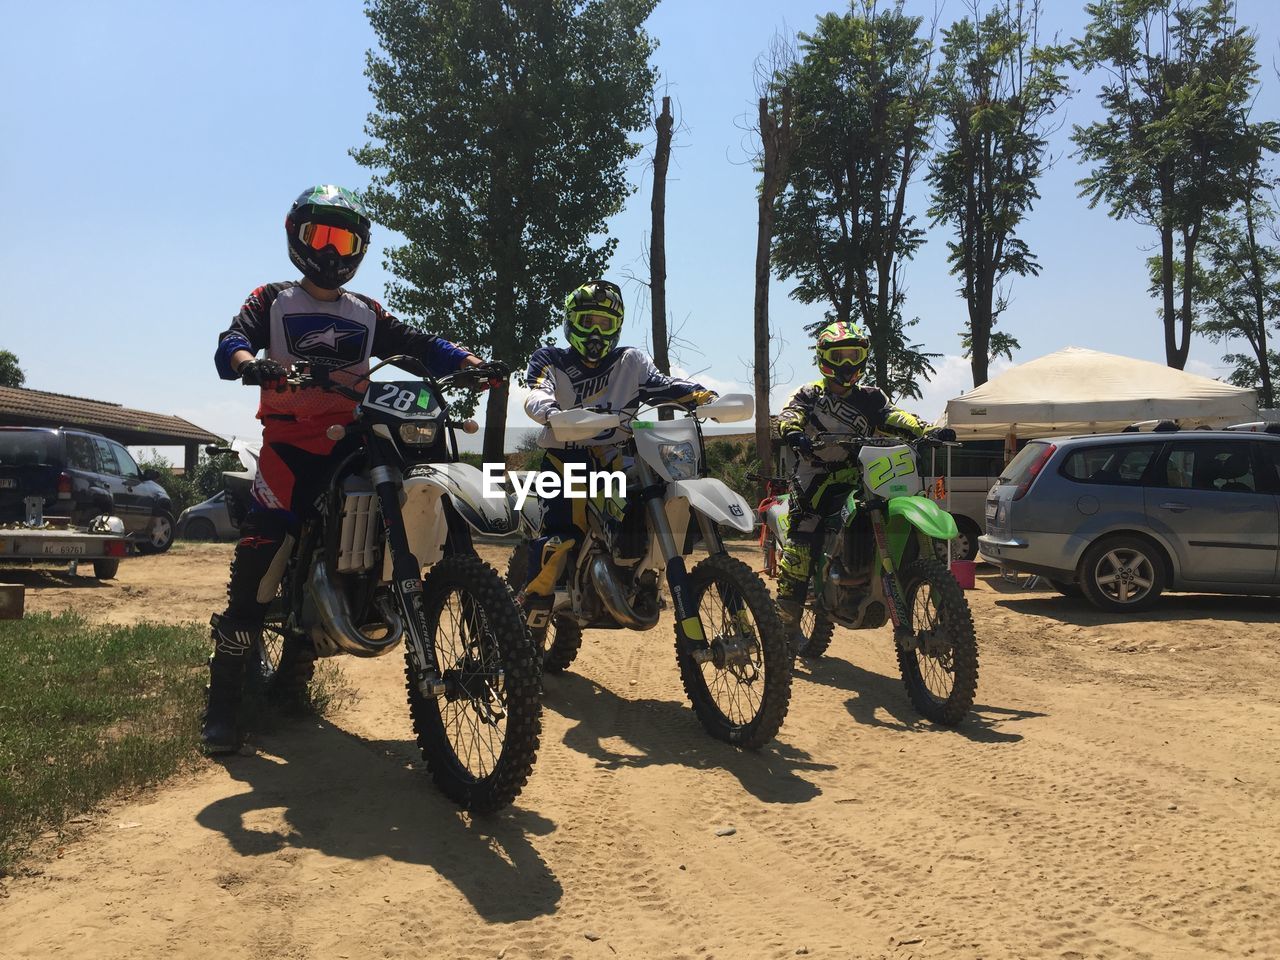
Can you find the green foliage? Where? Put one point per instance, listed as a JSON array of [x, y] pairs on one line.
[[863, 106], [731, 461], [11, 374], [189, 489], [1176, 145], [88, 710], [998, 90], [499, 140]]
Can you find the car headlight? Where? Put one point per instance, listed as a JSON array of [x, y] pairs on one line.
[[417, 434], [679, 459]]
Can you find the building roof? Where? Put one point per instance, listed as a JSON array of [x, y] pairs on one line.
[[35, 408]]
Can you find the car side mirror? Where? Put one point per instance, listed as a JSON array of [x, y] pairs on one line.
[[150, 475]]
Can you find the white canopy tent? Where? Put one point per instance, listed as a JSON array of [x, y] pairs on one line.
[[1084, 391]]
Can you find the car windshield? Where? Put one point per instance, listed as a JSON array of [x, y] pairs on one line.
[[1020, 465], [28, 448]]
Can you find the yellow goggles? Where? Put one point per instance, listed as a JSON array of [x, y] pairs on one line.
[[851, 355], [600, 323]]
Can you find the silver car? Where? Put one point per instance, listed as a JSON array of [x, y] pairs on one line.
[[1122, 517], [210, 520]]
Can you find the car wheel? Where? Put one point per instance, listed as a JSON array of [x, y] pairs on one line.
[[159, 536], [1122, 573], [963, 547], [200, 529]]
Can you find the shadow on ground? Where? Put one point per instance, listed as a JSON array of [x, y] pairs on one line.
[[349, 798], [877, 694], [668, 732]]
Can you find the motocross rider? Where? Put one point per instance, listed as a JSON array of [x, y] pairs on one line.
[[593, 371], [315, 321], [825, 476]]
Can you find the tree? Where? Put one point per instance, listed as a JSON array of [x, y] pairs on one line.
[[862, 110], [11, 374], [1237, 292], [658, 237], [773, 127], [499, 139], [1176, 146], [998, 89]]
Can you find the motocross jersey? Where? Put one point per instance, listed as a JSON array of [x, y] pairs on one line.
[[623, 379], [863, 411], [292, 326]]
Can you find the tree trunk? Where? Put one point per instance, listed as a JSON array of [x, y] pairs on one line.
[[658, 247], [980, 337], [760, 324], [1166, 285], [1260, 310], [495, 413]]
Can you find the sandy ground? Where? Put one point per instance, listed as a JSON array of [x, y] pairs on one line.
[[1116, 795]]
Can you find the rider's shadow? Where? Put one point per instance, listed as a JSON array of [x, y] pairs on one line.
[[667, 732], [348, 798], [877, 694]]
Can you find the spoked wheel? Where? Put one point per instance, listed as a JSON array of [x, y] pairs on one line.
[[818, 629], [742, 692], [941, 673], [562, 639], [480, 739], [284, 665]]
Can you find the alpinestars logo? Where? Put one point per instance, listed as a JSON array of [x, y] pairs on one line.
[[325, 339]]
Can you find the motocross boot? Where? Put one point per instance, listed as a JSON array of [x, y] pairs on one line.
[[538, 596], [791, 611], [232, 644]]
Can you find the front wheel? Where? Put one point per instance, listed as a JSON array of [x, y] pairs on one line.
[[159, 535], [480, 739], [941, 672], [742, 692]]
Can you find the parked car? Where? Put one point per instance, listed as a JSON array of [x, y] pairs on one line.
[[82, 475], [1122, 517], [208, 520]]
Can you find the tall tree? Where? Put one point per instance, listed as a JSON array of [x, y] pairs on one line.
[[1237, 294], [663, 125], [773, 127], [11, 374], [999, 88], [499, 139], [863, 107], [1176, 146]]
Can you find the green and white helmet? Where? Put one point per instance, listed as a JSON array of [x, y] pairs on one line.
[[593, 319]]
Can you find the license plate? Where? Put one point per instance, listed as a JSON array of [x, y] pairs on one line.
[[8, 483], [64, 549]]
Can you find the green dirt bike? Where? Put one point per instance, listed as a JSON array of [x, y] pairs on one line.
[[877, 561]]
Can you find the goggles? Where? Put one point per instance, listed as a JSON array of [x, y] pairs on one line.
[[320, 235], [852, 355], [600, 323]]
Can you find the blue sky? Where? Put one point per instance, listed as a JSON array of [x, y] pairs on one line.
[[149, 152]]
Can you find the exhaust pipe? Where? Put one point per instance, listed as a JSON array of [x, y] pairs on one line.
[[612, 596], [336, 624]]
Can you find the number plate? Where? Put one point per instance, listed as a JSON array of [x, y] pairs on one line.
[[64, 549], [7, 483]]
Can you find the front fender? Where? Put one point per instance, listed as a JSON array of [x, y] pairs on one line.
[[923, 514], [464, 485], [715, 500]]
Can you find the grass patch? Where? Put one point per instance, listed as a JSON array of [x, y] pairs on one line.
[[87, 710]]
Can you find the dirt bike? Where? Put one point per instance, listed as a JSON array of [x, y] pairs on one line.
[[397, 503], [730, 647], [877, 562]]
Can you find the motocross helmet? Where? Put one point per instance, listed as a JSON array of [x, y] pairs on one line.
[[328, 233], [593, 319], [842, 353]]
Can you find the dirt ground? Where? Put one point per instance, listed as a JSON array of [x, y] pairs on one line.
[[1115, 795]]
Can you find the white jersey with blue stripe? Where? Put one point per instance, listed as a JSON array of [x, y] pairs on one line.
[[622, 380]]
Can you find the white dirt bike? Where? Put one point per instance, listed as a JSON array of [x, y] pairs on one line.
[[730, 647]]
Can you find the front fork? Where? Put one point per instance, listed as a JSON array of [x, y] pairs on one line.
[[406, 583], [893, 596]]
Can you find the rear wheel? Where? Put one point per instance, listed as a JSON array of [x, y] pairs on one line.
[[106, 569], [200, 529], [941, 672], [742, 692], [818, 629], [560, 642], [1122, 573], [480, 739], [159, 534]]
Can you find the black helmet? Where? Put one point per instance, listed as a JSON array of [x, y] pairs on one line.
[[328, 232], [593, 319]]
